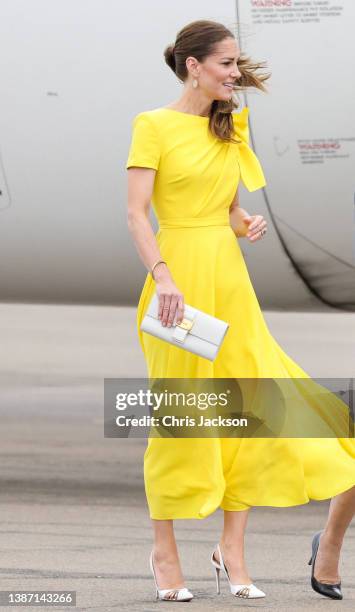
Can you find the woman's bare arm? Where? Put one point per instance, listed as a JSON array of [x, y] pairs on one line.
[[140, 189], [243, 224], [236, 215]]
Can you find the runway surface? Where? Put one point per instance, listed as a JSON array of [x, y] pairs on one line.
[[72, 506]]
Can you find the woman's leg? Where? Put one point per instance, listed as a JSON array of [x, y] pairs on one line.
[[165, 556], [341, 512], [232, 545]]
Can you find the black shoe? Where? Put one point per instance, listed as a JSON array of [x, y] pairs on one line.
[[329, 590]]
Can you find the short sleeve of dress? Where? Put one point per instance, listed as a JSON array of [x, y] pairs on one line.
[[145, 148], [251, 171]]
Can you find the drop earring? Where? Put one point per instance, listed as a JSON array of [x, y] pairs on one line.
[[195, 83]]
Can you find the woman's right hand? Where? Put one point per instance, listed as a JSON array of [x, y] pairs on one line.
[[171, 301]]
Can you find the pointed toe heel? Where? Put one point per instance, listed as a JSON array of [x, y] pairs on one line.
[[328, 590], [245, 591], [182, 594]]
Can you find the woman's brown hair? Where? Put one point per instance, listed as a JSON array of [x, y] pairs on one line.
[[198, 39]]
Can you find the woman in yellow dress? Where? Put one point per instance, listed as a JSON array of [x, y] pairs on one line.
[[187, 158]]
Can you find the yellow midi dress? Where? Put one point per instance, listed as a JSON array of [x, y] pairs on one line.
[[196, 180]]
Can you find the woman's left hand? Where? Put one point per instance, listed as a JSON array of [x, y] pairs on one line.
[[257, 227]]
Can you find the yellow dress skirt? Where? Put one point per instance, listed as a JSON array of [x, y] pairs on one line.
[[196, 179]]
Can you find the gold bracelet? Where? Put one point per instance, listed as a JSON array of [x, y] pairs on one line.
[[156, 263]]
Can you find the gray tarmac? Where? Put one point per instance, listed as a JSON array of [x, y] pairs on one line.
[[73, 514]]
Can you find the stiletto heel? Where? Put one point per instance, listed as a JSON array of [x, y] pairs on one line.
[[246, 591], [182, 594], [217, 570], [329, 590]]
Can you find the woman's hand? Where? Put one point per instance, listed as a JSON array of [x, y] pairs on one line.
[[245, 225], [171, 300], [257, 227]]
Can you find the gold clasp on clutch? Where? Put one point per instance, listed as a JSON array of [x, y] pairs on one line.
[[185, 324]]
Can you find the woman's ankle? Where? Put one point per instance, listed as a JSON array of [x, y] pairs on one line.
[[331, 538], [231, 544], [164, 553], [232, 552]]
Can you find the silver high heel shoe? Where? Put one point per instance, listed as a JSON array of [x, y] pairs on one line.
[[246, 591], [182, 594]]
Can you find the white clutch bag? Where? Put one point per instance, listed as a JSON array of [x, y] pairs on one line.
[[198, 332]]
